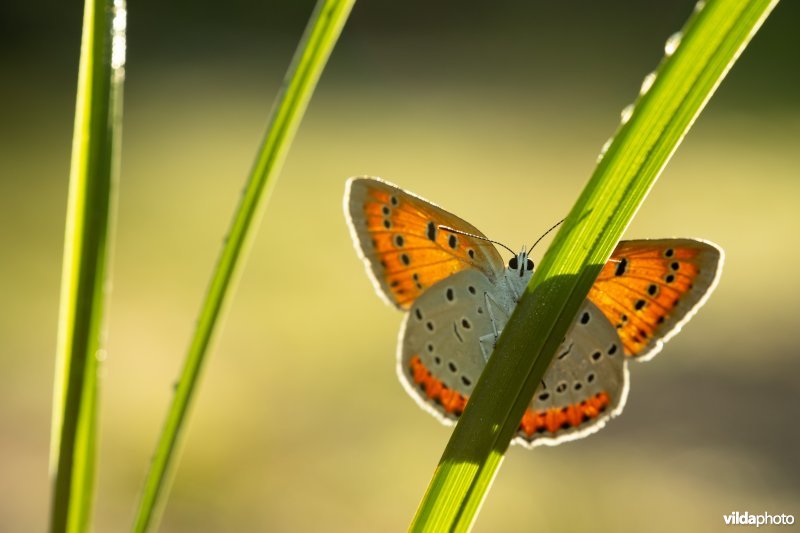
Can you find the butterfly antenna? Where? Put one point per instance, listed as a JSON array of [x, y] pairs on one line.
[[459, 232], [557, 224]]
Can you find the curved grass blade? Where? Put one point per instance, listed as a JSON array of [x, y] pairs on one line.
[[322, 31], [87, 241], [695, 64]]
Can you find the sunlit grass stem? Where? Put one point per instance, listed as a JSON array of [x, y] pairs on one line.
[[711, 41], [87, 241], [320, 36]]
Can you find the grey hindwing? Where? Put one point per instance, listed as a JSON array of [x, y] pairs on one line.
[[590, 362], [444, 328]]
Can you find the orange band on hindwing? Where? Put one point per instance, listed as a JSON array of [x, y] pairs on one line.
[[550, 420]]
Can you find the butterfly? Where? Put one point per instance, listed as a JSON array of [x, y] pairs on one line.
[[458, 293]]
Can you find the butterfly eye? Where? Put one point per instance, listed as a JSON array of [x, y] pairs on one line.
[[512, 263], [529, 265]]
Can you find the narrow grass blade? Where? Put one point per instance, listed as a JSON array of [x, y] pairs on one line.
[[92, 191], [322, 31], [695, 64]]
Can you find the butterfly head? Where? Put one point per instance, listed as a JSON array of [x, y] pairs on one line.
[[520, 264]]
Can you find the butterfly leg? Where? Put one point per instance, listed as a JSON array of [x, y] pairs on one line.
[[487, 343], [498, 317]]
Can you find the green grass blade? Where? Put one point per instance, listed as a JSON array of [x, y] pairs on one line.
[[712, 40], [92, 192], [322, 31]]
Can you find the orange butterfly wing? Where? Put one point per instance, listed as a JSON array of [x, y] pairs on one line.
[[399, 237], [650, 288]]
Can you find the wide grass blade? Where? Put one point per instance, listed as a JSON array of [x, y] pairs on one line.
[[322, 31], [95, 167], [696, 62]]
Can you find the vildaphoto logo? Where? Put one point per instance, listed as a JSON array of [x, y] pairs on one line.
[[765, 519]]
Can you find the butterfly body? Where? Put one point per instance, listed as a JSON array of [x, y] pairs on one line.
[[459, 295]]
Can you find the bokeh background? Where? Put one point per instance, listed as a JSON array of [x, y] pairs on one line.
[[495, 111]]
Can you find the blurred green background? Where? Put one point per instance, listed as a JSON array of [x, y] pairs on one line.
[[496, 111]]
